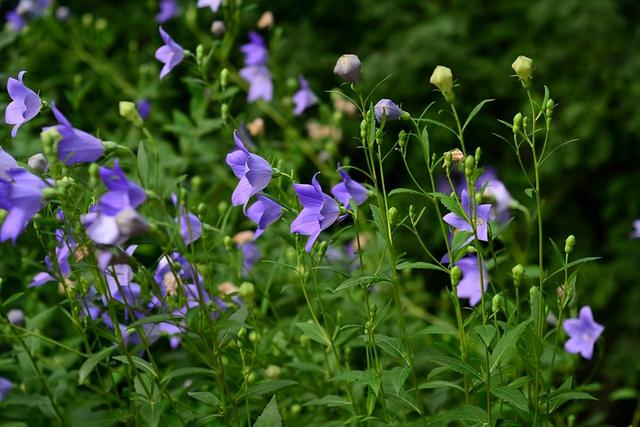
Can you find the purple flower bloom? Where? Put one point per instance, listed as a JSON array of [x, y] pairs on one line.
[[63, 250], [255, 52], [121, 286], [25, 103], [171, 54], [168, 10], [482, 218], [5, 388], [387, 108], [260, 84], [583, 333], [190, 227], [182, 280], [213, 4], [263, 212], [22, 197], [469, 285], [348, 68], [250, 256], [15, 20], [634, 234], [495, 190], [319, 211], [253, 171], [7, 162], [75, 145], [144, 108], [349, 190], [304, 97]]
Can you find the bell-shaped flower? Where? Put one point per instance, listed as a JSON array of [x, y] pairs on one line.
[[253, 171], [387, 108], [213, 4], [22, 197], [469, 285], [171, 54], [583, 333], [7, 162], [75, 145], [260, 84], [304, 97], [25, 104], [464, 224], [263, 212], [255, 52], [168, 10], [348, 68], [348, 190], [319, 211], [5, 387]]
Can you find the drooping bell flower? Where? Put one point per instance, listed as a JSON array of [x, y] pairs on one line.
[[348, 68], [469, 285], [464, 224], [168, 10], [348, 190], [304, 97], [253, 171], [22, 197], [171, 54], [75, 145], [7, 162], [387, 108], [260, 84], [25, 104], [190, 224], [213, 4], [255, 52], [5, 387], [264, 212]]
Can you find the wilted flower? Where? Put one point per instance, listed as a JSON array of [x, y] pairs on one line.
[[253, 171], [168, 10], [75, 145], [469, 285], [5, 388], [461, 223], [349, 190], [255, 52], [213, 4], [25, 104], [583, 333], [348, 68], [264, 212], [265, 21], [442, 78], [22, 197], [260, 84], [171, 54], [387, 108], [523, 67], [304, 97], [243, 237], [319, 211]]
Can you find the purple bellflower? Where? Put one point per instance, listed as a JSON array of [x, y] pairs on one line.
[[144, 108], [253, 171], [7, 162], [22, 197], [482, 218], [260, 84], [304, 97], [75, 145], [121, 286], [250, 256], [634, 234], [387, 108], [583, 333], [319, 211], [5, 388], [171, 54], [255, 52], [349, 190], [469, 285], [16, 21], [63, 250], [25, 104], [168, 10], [263, 212], [213, 4], [497, 192], [190, 224]]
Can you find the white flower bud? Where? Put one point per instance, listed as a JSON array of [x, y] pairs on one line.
[[218, 28], [38, 162], [523, 67], [442, 78], [348, 68]]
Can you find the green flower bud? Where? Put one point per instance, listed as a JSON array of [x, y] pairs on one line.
[[525, 123], [568, 246], [251, 377], [469, 165], [272, 372], [295, 409], [455, 275], [224, 111], [517, 121], [224, 78], [549, 108], [447, 160], [222, 207], [228, 243], [247, 290], [523, 67], [402, 138], [442, 78], [518, 273], [254, 337], [196, 183], [393, 213], [101, 24], [202, 210], [199, 54], [478, 154], [129, 111], [50, 138], [94, 175], [322, 248], [533, 293], [497, 303], [242, 333]]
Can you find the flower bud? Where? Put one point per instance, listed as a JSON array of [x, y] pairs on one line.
[[224, 111], [218, 28], [224, 78], [202, 210], [272, 372], [523, 67], [517, 121], [94, 174], [386, 108], [549, 108], [242, 333], [455, 275], [50, 138], [518, 273], [295, 409], [402, 138], [393, 213], [38, 162], [525, 123], [478, 154], [254, 336], [469, 165], [348, 68], [442, 78], [16, 316], [129, 111], [497, 303], [199, 54], [568, 245], [228, 243], [130, 223], [265, 21], [247, 290], [533, 294], [322, 248], [447, 160]]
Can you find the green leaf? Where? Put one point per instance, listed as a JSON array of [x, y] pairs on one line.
[[330, 401], [406, 191], [440, 384], [486, 333], [406, 265], [529, 192], [398, 377], [405, 399], [356, 281], [184, 372], [206, 397], [475, 111], [574, 263], [226, 334], [438, 330], [139, 363], [507, 342], [143, 164], [392, 346], [450, 203], [468, 413], [270, 416], [512, 396], [556, 399], [91, 362], [623, 394], [453, 364], [154, 318], [315, 332], [266, 387]]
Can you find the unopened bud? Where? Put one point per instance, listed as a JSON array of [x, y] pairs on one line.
[[16, 316], [455, 274], [549, 108], [478, 154], [49, 138], [228, 243], [568, 245], [265, 21], [348, 68], [469, 165], [94, 174], [447, 160], [247, 290], [295, 409], [272, 372], [322, 248], [518, 273], [254, 336], [129, 111], [38, 162], [224, 111], [242, 333], [442, 78], [497, 303], [224, 78], [202, 210], [393, 213], [130, 223], [533, 294], [525, 123], [523, 67], [402, 139], [517, 121], [217, 28]]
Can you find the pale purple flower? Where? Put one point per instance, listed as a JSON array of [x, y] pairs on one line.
[[497, 192], [387, 108], [255, 52], [469, 285], [121, 286], [634, 234], [62, 13], [482, 218], [7, 162], [583, 333], [144, 108], [348, 68], [304, 97], [190, 227], [250, 256], [349, 190], [25, 103], [22, 197], [16, 21], [253, 171], [75, 145], [213, 4], [263, 212], [5, 388], [168, 10], [66, 246], [33, 7], [260, 84], [319, 211], [171, 54]]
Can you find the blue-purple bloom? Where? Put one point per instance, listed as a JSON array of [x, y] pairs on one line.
[[583, 333], [263, 212], [634, 234], [260, 84], [144, 108], [319, 211], [461, 223], [387, 108], [255, 52], [469, 285], [168, 10], [349, 190], [304, 97], [25, 103], [7, 162], [22, 197], [16, 21], [66, 246], [5, 388], [75, 145], [250, 256], [253, 171], [213, 4], [171, 54], [497, 192]]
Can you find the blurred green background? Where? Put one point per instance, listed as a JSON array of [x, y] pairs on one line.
[[584, 51]]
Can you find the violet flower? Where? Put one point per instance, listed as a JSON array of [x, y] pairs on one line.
[[469, 285], [22, 197], [253, 171], [482, 218], [319, 211], [7, 162], [634, 234], [263, 212], [250, 256], [349, 190], [497, 192], [583, 333], [75, 145], [260, 84], [213, 4], [16, 21], [304, 97], [168, 10], [5, 388], [171, 54], [387, 108], [255, 52], [63, 250], [25, 103], [144, 108], [190, 227]]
